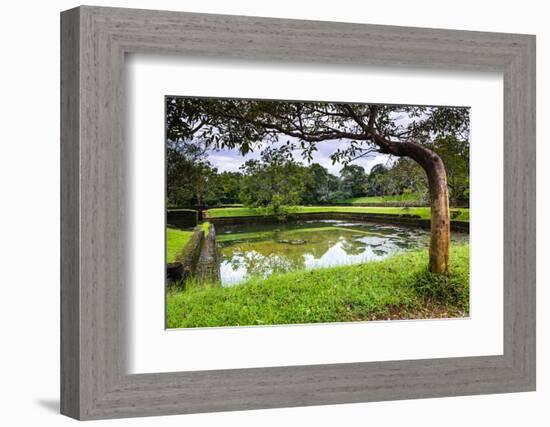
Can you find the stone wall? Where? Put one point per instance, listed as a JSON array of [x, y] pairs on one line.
[[405, 220], [208, 265], [199, 259], [186, 261]]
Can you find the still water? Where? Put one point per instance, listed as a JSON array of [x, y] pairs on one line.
[[262, 249]]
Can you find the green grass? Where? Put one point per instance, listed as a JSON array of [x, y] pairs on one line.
[[205, 226], [461, 214], [175, 242], [399, 287], [406, 197], [236, 211]]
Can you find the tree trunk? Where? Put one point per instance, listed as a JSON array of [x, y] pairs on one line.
[[439, 201], [440, 222]]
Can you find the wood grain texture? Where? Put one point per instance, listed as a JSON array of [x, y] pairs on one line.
[[70, 292], [94, 382]]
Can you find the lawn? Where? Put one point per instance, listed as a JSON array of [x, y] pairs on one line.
[[406, 197], [175, 242], [460, 214], [399, 287]]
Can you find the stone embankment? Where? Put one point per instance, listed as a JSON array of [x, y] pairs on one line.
[[199, 259], [404, 219]]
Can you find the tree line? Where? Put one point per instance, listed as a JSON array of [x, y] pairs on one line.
[[276, 179]]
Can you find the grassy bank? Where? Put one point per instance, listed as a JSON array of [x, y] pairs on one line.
[[175, 242], [398, 288], [401, 198], [459, 214], [177, 239]]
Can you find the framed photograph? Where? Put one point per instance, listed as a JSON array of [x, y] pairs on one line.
[[277, 210], [261, 213]]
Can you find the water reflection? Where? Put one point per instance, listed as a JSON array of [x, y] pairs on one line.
[[262, 249]]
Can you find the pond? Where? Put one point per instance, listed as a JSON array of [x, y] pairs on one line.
[[262, 249]]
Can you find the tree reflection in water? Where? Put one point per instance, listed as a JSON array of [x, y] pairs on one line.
[[263, 249]]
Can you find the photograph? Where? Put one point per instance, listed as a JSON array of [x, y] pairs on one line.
[[294, 212], [262, 212]]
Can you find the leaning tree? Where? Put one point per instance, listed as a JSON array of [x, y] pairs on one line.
[[401, 131]]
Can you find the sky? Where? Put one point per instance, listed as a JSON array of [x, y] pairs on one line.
[[230, 160]]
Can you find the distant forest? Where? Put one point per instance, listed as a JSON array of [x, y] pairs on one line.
[[276, 178]]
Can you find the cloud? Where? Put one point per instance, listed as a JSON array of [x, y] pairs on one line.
[[229, 160]]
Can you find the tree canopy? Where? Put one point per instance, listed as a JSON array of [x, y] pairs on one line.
[[243, 124], [195, 126]]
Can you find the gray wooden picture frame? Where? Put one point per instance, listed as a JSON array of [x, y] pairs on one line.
[[94, 382]]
